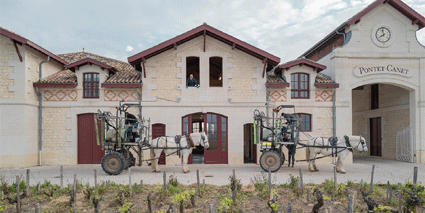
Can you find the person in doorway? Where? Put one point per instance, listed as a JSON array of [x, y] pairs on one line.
[[191, 82]]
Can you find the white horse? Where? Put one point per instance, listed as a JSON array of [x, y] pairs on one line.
[[348, 142], [196, 139]]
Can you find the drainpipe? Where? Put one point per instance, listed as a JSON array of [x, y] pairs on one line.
[[40, 113], [138, 94], [333, 114], [267, 105], [343, 34]]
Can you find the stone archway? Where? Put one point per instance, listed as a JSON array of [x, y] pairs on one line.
[[379, 111]]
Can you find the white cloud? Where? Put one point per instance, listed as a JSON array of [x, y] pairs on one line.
[[129, 49]]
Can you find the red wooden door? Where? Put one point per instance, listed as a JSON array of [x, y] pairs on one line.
[[216, 129], [88, 150], [187, 128], [157, 131], [375, 137]]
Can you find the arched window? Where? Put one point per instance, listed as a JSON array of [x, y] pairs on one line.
[[216, 72], [300, 88], [91, 85], [192, 68], [305, 120]]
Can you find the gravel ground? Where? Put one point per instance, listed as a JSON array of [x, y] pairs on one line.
[[385, 170]]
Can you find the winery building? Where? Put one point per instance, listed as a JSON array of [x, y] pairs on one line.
[[369, 72]]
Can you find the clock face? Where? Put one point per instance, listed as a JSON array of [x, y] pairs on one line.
[[383, 34]]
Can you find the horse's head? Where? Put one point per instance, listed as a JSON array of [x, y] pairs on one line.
[[362, 146], [204, 140]]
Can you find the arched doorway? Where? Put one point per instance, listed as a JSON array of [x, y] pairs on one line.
[[379, 112], [88, 150], [158, 130], [216, 128]]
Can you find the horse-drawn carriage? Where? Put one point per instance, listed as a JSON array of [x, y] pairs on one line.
[[122, 135], [273, 133]]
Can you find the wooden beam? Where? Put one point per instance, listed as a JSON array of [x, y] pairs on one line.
[[233, 46], [175, 45], [17, 49], [144, 69], [265, 65], [415, 21], [205, 33]]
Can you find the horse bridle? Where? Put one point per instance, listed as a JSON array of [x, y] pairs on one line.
[[363, 144], [203, 140]]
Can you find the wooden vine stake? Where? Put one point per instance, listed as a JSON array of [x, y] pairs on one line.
[[129, 180], [335, 184], [27, 189], [95, 178], [371, 179], [211, 208], [18, 199], [350, 203], [234, 186], [164, 187], [197, 179], [269, 180], [61, 178], [301, 182], [415, 175], [289, 210]]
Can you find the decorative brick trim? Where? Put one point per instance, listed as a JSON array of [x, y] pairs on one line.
[[324, 95], [121, 94], [278, 95], [60, 95]]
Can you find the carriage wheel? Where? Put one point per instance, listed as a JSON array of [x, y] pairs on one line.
[[270, 159], [130, 160], [113, 163]]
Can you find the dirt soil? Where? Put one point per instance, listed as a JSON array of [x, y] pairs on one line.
[[249, 198]]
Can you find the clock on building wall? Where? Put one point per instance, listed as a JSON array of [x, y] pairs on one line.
[[382, 36]]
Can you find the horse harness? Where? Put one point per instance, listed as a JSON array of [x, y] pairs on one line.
[[347, 142]]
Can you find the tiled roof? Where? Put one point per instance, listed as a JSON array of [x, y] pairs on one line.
[[323, 79], [272, 78], [62, 77], [125, 73], [127, 77], [74, 57], [316, 66]]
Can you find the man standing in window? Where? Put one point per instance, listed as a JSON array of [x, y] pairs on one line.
[[191, 82]]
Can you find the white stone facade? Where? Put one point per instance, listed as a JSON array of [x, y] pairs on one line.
[[398, 68]]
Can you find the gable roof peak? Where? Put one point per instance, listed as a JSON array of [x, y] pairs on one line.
[[399, 5], [203, 30]]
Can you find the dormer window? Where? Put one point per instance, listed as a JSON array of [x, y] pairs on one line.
[[300, 86], [91, 85]]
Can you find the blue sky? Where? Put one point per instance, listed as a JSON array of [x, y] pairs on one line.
[[119, 29]]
